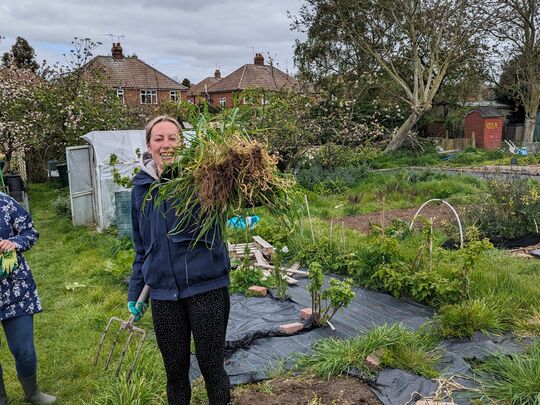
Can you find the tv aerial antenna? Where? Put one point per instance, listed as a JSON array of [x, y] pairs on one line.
[[117, 36]]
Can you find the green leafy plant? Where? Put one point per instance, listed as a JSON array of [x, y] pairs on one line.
[[510, 209], [246, 275], [121, 265], [429, 287], [339, 294], [123, 181], [471, 252], [62, 206], [8, 261]]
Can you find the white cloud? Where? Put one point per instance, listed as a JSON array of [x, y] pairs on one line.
[[182, 38]]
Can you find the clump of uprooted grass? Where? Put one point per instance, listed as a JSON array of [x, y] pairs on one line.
[[512, 379], [395, 346], [222, 173]]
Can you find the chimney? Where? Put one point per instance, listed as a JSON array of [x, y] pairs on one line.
[[116, 51], [259, 59], [217, 74]]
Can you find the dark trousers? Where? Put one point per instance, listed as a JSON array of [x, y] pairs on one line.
[[20, 339], [205, 316]]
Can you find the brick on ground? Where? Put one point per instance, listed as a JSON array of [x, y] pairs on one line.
[[305, 313], [291, 328], [373, 362], [258, 290]]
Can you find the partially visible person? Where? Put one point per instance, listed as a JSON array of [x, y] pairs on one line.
[[19, 300], [189, 283]]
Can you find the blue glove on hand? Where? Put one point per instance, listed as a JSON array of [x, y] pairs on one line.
[[137, 309]]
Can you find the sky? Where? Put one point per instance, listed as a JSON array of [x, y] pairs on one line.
[[181, 38]]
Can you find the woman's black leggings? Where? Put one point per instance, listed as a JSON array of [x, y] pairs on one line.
[[206, 316]]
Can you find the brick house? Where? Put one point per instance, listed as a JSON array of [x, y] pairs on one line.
[[256, 75], [200, 90], [136, 83]]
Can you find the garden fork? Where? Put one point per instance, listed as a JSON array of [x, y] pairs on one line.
[[132, 330]]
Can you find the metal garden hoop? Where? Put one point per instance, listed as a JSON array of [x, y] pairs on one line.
[[453, 210]]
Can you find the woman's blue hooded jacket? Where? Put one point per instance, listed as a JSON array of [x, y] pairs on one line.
[[169, 262]]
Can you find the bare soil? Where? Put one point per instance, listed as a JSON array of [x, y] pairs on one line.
[[441, 215], [306, 390]]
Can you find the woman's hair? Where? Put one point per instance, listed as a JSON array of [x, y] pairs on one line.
[[162, 118]]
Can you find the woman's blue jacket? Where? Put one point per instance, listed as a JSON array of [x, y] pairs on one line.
[[169, 262]]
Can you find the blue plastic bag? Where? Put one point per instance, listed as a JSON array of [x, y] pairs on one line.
[[239, 222]]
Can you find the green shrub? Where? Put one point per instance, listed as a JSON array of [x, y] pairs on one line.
[[378, 251], [509, 210], [465, 318], [62, 206], [332, 156], [428, 287], [327, 181], [244, 277]]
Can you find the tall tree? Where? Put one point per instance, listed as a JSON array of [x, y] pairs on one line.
[[412, 43], [515, 25], [22, 55], [18, 111]]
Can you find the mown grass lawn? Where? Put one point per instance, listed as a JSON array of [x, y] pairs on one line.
[[69, 328]]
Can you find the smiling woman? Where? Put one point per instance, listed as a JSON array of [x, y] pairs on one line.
[[163, 135], [188, 280]]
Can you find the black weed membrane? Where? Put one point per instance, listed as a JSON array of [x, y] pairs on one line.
[[529, 239], [256, 347]]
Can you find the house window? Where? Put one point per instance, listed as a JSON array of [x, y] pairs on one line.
[[222, 102], [120, 95], [174, 95], [148, 96]]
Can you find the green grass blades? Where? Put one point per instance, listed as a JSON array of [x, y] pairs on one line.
[[395, 345], [222, 173], [465, 318], [513, 379]]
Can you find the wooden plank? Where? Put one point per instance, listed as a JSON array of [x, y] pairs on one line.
[[290, 280], [294, 267], [259, 257], [266, 247], [291, 271]]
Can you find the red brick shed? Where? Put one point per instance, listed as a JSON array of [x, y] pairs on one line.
[[485, 125]]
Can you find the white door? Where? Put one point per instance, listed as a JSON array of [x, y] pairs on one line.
[[81, 188]]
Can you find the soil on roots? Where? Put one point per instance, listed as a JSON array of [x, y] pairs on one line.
[[306, 390]]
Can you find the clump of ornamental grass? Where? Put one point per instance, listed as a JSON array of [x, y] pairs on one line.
[[222, 172], [511, 379]]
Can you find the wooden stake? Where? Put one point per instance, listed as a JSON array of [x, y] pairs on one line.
[[331, 232], [343, 232], [310, 221]]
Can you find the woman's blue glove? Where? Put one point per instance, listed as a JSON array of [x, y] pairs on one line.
[[137, 309]]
